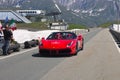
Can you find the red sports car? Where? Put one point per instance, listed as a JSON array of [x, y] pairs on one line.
[[61, 43]]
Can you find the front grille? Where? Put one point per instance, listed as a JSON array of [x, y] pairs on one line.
[[60, 51], [64, 51], [44, 51]]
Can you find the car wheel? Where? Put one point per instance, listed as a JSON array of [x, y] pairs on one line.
[[27, 44], [34, 45], [82, 45], [16, 50], [1, 52], [9, 51], [76, 51]]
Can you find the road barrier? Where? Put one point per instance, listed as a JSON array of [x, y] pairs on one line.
[[115, 33]]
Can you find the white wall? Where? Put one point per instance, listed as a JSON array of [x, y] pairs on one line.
[[116, 27]]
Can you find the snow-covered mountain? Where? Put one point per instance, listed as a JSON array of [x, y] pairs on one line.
[[89, 7], [94, 11], [88, 12]]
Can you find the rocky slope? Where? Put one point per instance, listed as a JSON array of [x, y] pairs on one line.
[[86, 12]]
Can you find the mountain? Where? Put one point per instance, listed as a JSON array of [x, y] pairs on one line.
[[92, 12], [86, 12]]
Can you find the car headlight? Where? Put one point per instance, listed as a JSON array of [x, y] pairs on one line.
[[69, 44]]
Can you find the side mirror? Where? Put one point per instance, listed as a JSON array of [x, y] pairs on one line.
[[39, 40], [80, 37], [43, 38]]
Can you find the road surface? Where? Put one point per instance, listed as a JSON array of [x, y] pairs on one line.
[[100, 60]]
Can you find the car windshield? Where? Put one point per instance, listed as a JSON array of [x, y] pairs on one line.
[[62, 35]]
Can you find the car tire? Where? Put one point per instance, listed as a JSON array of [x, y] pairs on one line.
[[76, 50], [16, 50], [82, 46], [9, 51], [1, 51], [27, 45]]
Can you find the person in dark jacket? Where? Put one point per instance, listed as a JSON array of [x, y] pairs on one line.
[[8, 36]]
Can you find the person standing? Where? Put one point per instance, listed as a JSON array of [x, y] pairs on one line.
[[1, 35], [8, 36], [0, 30]]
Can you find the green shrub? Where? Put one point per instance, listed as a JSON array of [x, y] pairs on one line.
[[76, 26]]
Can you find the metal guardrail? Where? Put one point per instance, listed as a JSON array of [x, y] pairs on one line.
[[115, 33]]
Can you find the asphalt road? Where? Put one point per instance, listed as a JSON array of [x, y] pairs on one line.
[[100, 60], [29, 66]]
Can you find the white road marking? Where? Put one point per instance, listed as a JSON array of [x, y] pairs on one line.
[[117, 46], [17, 53]]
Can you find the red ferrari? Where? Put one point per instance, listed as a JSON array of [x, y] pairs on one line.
[[61, 43]]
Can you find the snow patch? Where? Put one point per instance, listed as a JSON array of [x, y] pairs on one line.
[[22, 35]]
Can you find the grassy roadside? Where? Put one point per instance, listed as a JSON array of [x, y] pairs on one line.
[[34, 26], [43, 26], [76, 26], [106, 25]]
